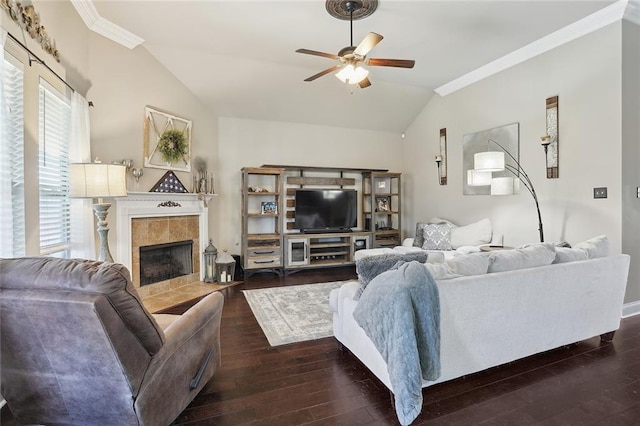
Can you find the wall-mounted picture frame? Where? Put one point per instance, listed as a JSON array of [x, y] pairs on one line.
[[508, 136], [167, 141], [268, 207], [442, 165], [553, 132]]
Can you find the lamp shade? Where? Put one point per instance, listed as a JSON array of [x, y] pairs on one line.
[[478, 178], [490, 161], [97, 180], [351, 75]]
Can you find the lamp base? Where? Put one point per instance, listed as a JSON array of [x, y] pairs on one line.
[[101, 210]]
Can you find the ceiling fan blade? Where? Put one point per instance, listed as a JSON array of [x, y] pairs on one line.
[[368, 43], [321, 73], [400, 63], [364, 83], [316, 53]]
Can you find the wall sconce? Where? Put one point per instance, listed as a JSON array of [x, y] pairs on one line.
[[441, 159]]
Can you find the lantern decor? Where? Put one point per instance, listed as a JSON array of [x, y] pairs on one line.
[[225, 268], [210, 254]]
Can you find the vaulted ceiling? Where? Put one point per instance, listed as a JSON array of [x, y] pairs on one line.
[[239, 57]]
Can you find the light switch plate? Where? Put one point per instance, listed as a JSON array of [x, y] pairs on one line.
[[600, 192]]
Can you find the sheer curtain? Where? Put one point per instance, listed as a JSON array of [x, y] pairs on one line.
[[6, 210], [82, 227]]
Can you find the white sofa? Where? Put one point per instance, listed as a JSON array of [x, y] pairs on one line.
[[495, 318]]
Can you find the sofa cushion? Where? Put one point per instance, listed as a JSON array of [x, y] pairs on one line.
[[521, 258], [110, 279], [475, 234], [440, 271], [564, 254], [436, 236], [368, 268], [595, 247], [469, 264]]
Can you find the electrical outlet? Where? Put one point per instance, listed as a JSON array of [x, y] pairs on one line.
[[600, 192], [638, 189]]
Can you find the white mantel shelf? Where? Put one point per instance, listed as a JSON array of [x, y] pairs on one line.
[[158, 204], [162, 196]]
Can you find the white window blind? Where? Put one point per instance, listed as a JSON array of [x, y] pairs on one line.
[[12, 210], [55, 222]]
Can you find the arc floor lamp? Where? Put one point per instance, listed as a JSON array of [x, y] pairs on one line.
[[485, 163]]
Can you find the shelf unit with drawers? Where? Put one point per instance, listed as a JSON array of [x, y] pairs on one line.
[[262, 208], [381, 207]]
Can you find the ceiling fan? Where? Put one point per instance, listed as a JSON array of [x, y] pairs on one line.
[[351, 58]]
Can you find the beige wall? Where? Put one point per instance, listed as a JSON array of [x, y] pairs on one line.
[[254, 143], [586, 75], [123, 82]]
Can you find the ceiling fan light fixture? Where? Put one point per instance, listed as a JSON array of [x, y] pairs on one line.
[[352, 75]]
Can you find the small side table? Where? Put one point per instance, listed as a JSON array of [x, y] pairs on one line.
[[494, 248]]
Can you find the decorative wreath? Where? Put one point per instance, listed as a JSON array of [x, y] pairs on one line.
[[172, 145]]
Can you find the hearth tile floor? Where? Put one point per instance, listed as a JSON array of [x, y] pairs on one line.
[[167, 299]]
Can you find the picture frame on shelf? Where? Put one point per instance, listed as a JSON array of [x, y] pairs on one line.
[[382, 204], [383, 185], [268, 207]]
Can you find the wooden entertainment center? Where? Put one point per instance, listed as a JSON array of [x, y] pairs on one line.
[[269, 239]]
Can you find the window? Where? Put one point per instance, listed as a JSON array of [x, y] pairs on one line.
[[35, 127], [12, 211], [53, 172]]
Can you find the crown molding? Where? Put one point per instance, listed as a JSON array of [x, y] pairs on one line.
[[632, 14], [584, 26], [103, 26]]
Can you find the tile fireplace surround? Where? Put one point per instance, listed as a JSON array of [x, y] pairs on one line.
[[146, 218]]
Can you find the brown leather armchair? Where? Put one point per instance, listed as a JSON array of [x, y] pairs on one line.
[[78, 346]]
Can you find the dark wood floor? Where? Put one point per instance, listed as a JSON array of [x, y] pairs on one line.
[[313, 383]]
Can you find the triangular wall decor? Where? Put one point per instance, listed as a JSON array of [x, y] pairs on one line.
[[169, 183]]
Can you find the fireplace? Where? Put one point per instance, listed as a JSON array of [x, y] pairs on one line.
[[160, 262], [160, 219]]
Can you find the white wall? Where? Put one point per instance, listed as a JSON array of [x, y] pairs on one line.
[[254, 143], [586, 75], [631, 153]]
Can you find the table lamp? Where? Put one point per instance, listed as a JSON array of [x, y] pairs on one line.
[[98, 180]]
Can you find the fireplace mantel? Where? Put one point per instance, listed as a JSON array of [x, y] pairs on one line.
[[158, 204]]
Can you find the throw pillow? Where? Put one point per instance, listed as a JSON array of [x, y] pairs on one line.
[[474, 234], [521, 258], [469, 264], [418, 240], [595, 247], [564, 254], [436, 236]]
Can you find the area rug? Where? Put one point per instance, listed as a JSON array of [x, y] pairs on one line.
[[293, 313]]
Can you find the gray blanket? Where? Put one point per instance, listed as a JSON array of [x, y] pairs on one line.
[[400, 312]]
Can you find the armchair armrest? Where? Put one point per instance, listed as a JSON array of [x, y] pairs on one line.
[[190, 340]]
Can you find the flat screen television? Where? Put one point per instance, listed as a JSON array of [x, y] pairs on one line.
[[326, 210]]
